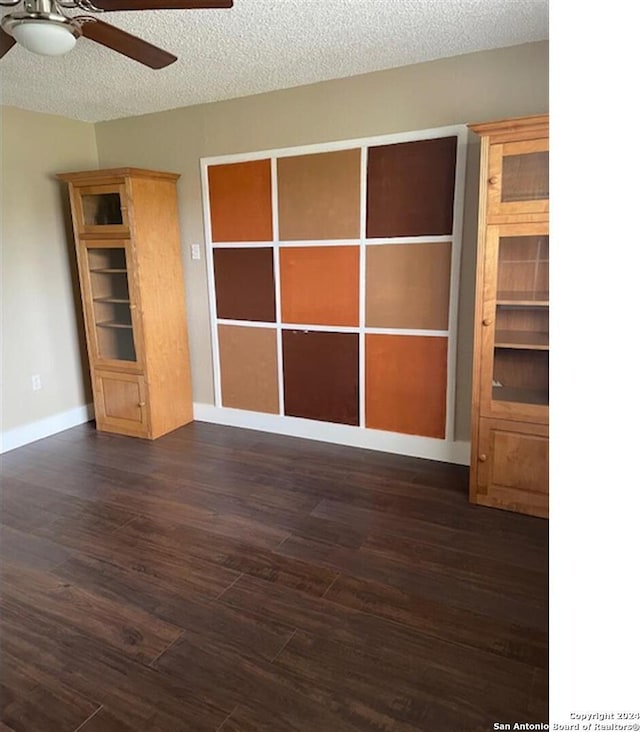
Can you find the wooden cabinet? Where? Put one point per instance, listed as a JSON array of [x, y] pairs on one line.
[[128, 250], [510, 401]]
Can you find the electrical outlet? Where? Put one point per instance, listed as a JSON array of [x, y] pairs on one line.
[[36, 384], [195, 251]]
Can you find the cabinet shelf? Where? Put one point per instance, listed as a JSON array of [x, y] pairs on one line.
[[108, 270], [521, 339], [522, 396], [525, 261], [113, 324], [510, 297], [116, 300]]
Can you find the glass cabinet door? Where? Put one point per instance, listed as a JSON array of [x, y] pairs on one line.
[[109, 308], [515, 368], [102, 209], [518, 185]]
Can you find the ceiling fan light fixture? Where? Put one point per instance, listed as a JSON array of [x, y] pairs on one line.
[[46, 37]]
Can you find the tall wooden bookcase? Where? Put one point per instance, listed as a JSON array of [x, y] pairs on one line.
[[127, 244], [510, 418]]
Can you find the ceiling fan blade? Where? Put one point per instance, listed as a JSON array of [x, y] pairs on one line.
[[109, 5], [7, 42], [126, 44]]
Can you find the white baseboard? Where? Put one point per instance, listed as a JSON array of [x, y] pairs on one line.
[[341, 434], [23, 435]]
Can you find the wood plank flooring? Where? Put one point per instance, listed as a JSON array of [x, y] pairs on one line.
[[223, 580]]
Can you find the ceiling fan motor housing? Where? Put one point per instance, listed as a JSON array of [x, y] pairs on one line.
[[42, 28]]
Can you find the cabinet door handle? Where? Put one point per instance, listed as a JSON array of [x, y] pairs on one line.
[[142, 404], [493, 180], [482, 458], [487, 321]]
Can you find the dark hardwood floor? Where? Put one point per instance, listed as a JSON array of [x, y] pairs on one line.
[[222, 579]]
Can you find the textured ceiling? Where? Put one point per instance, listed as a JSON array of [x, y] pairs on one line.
[[259, 46]]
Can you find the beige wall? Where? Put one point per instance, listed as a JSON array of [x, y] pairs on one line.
[[41, 326], [472, 88], [40, 317]]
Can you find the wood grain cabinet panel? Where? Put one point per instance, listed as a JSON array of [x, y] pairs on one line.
[[513, 466], [127, 242], [120, 400], [510, 393]]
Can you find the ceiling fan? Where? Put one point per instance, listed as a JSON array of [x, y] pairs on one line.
[[41, 26]]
